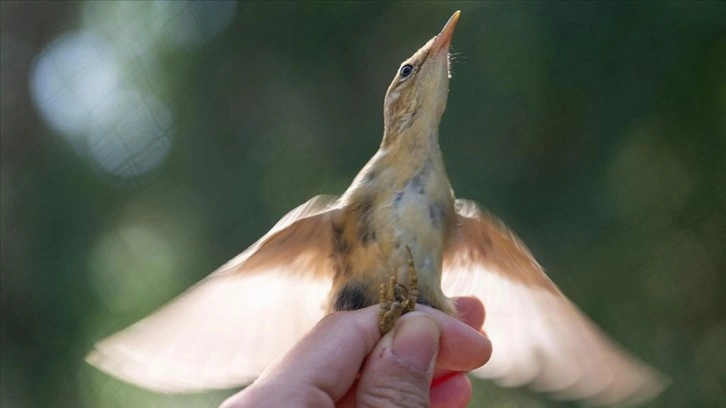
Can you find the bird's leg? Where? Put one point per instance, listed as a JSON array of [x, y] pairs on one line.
[[391, 307], [412, 283], [397, 299]]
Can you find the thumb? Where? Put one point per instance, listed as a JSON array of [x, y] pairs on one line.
[[398, 371]]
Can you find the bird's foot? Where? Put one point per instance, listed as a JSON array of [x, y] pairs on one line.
[[397, 299]]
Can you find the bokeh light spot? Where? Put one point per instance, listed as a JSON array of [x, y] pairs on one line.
[[134, 137], [70, 79]]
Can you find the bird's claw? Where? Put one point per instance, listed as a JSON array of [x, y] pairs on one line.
[[397, 299]]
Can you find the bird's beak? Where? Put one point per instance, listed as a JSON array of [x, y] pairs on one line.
[[444, 38]]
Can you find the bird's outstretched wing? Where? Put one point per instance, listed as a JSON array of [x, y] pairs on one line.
[[539, 337], [227, 329]]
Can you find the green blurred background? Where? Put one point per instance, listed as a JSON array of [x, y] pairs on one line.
[[145, 143]]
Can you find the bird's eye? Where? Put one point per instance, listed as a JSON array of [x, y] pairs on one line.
[[406, 70]]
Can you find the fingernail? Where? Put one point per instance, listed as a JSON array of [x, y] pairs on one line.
[[416, 342]]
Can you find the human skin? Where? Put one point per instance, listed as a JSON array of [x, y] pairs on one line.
[[344, 361]]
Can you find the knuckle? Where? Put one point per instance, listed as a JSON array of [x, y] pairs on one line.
[[394, 392]]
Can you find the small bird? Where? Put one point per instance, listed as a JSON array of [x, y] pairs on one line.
[[397, 236]]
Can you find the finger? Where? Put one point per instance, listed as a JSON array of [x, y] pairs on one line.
[[463, 348], [322, 366], [328, 359], [449, 388], [398, 371], [470, 310], [334, 350], [453, 391], [349, 399]]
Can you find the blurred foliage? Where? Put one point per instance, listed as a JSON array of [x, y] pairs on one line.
[[596, 130]]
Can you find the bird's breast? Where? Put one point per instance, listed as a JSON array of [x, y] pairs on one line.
[[421, 216], [379, 223], [386, 210]]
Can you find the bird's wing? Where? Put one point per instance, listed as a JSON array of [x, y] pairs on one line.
[[227, 329], [539, 337]]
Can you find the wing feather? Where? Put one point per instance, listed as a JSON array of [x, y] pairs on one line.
[[228, 328], [539, 337]]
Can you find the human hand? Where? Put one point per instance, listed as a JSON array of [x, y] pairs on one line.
[[343, 361]]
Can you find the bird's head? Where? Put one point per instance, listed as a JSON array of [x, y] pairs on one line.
[[416, 98]]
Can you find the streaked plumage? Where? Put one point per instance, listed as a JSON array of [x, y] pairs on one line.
[[332, 253]]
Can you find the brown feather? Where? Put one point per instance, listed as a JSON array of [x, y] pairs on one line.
[[302, 235], [331, 254], [482, 238], [538, 336]]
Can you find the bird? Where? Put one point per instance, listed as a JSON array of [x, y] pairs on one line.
[[398, 226]]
